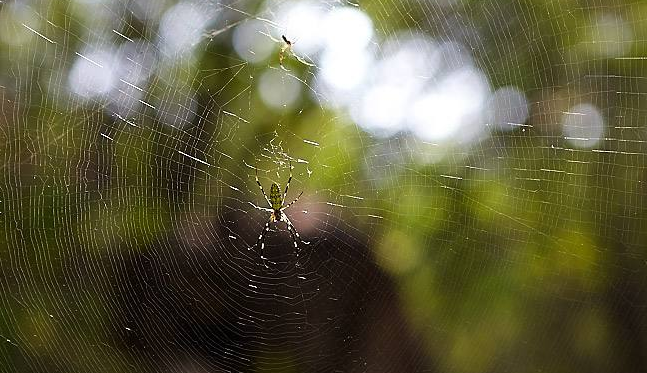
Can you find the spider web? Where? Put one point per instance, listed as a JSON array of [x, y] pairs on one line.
[[472, 177]]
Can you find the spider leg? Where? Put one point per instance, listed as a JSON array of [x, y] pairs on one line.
[[287, 185], [262, 191], [295, 235], [287, 47], [261, 208], [290, 204], [282, 53], [261, 240]]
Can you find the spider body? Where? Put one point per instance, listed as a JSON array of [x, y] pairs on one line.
[[276, 201], [286, 48], [286, 40]]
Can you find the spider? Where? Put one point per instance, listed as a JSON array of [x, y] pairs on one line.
[[276, 202], [287, 48]]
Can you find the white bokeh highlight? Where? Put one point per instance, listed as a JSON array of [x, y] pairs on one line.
[[453, 108], [134, 63], [507, 109], [118, 77], [409, 61], [302, 24], [454, 56], [346, 29], [382, 109], [182, 27], [609, 36], [583, 125], [16, 20], [279, 91], [250, 43], [409, 85], [345, 72], [93, 73], [396, 80]]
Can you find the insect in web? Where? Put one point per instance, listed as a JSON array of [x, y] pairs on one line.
[[276, 201], [287, 48]]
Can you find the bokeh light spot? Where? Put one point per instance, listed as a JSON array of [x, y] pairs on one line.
[[347, 29], [15, 21], [279, 90], [507, 109], [182, 27], [454, 107], [249, 42], [93, 73], [301, 23], [583, 125], [609, 36]]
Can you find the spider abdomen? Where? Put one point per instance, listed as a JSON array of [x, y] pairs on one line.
[[275, 197]]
